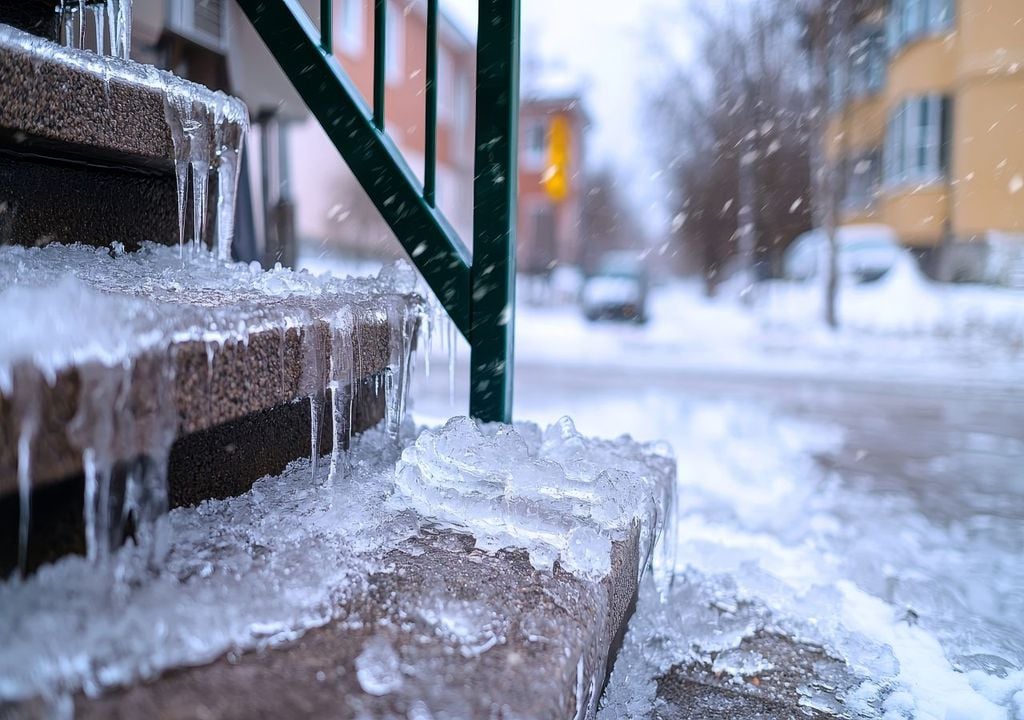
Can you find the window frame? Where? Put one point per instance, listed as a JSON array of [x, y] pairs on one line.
[[917, 142], [911, 20]]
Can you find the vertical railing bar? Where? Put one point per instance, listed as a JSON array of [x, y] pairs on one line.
[[430, 142], [493, 271], [380, 12], [326, 27]]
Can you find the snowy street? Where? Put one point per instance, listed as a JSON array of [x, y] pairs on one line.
[[865, 518]]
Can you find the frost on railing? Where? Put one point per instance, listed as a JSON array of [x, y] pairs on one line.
[[110, 21], [116, 318]]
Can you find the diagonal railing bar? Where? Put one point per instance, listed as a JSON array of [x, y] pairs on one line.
[[371, 155], [477, 294]]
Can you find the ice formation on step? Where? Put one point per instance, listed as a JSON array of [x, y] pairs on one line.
[[208, 134], [556, 494], [115, 316], [268, 565], [207, 128], [111, 22], [378, 668]]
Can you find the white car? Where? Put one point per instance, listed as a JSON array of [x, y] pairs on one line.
[[866, 253]]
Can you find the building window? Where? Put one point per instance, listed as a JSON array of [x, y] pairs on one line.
[[535, 143], [911, 19], [867, 69], [917, 141], [867, 63], [352, 26], [863, 176], [394, 55]]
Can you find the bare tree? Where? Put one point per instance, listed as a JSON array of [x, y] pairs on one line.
[[609, 222], [828, 26], [735, 139]]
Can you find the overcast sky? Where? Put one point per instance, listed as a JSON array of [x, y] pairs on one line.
[[607, 49]]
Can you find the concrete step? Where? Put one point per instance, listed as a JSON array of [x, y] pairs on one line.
[[96, 129], [221, 391], [550, 641]]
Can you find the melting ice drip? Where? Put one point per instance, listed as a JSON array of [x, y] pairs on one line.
[[109, 19]]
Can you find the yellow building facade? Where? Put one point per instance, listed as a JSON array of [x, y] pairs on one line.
[[929, 134]]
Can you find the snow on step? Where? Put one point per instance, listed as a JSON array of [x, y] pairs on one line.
[[297, 553], [128, 324]]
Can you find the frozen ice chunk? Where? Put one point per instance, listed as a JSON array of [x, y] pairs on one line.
[[566, 497], [378, 668]]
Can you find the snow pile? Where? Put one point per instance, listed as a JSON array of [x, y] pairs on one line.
[[264, 567], [920, 613], [558, 495]]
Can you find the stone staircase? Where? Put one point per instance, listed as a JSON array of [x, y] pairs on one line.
[[143, 371]]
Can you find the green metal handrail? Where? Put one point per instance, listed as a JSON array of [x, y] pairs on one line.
[[478, 291]]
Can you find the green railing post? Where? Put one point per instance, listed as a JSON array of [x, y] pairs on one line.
[[479, 293], [493, 272]]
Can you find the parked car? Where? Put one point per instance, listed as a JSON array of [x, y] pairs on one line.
[[866, 253], [617, 290]]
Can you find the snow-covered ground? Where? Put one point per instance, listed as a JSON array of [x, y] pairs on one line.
[[901, 326], [905, 569]]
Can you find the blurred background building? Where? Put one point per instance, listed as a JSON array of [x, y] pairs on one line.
[[298, 191], [930, 133]]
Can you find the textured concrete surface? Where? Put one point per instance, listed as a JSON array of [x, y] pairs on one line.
[[218, 462], [47, 98], [212, 386], [95, 204], [537, 647], [95, 129], [794, 673]]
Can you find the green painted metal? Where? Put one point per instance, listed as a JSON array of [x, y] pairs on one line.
[[430, 140], [477, 293], [493, 273], [326, 26], [380, 60]]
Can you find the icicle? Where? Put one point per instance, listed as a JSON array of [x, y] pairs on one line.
[[91, 491], [25, 437], [341, 387], [107, 428], [81, 25], [124, 29], [111, 8], [396, 376], [281, 349], [231, 123], [177, 112], [26, 398], [451, 362], [311, 384], [97, 22], [199, 164], [68, 20], [316, 411]]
